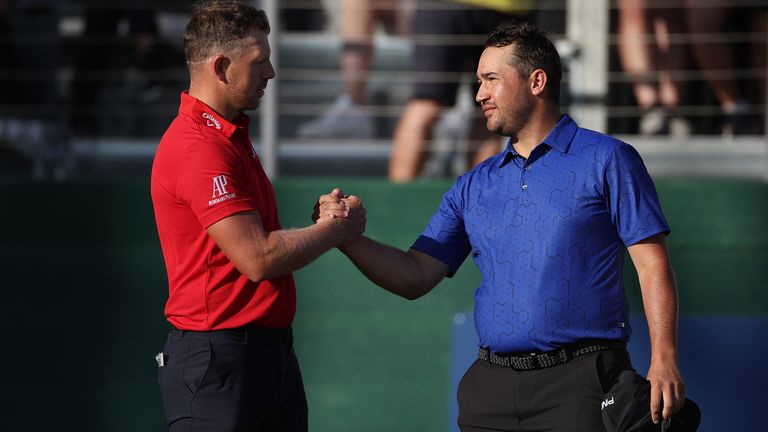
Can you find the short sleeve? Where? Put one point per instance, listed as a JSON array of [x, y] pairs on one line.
[[212, 181], [445, 237], [631, 195]]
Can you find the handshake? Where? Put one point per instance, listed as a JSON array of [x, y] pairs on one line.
[[346, 212]]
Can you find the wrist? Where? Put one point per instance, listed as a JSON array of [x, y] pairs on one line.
[[348, 246], [664, 356]]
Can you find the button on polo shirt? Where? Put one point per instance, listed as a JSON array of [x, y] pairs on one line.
[[548, 234], [205, 170]]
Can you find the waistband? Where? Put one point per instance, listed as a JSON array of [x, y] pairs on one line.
[[534, 361], [247, 332]]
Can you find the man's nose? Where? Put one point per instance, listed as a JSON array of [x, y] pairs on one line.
[[270, 72], [481, 95]]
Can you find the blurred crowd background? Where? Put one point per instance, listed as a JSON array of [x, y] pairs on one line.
[[88, 87]]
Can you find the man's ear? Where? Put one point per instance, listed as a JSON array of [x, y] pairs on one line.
[[538, 81], [220, 65]]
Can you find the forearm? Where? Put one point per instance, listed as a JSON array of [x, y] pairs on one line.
[[393, 269], [660, 302], [285, 251], [657, 283]]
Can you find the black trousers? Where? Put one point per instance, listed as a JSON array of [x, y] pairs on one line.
[[232, 380], [563, 398]]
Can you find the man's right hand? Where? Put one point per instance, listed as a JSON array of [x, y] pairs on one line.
[[330, 206], [408, 274], [347, 211]]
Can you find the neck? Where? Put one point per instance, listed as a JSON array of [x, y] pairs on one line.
[[207, 94], [541, 124]]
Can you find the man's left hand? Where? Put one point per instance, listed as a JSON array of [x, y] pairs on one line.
[[667, 389]]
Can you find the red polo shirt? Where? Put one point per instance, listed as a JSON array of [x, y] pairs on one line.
[[205, 169]]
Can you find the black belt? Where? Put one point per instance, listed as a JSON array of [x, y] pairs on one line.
[[270, 334], [533, 361]]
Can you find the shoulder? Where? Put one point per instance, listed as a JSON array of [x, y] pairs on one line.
[[187, 136], [480, 174], [590, 137], [599, 146]]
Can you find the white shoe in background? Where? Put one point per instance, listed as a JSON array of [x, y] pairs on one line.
[[344, 119], [653, 121], [661, 121]]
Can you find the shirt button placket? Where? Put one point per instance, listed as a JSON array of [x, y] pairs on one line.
[[524, 184], [523, 175]]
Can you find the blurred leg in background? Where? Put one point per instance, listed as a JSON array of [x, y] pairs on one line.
[[718, 60], [438, 69], [349, 116], [651, 59]]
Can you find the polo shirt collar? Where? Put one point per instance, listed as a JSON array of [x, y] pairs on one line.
[[206, 116], [559, 139], [561, 136]]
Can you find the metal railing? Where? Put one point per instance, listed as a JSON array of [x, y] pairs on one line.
[[305, 89]]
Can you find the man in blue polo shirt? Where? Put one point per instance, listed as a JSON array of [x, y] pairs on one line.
[[547, 222]]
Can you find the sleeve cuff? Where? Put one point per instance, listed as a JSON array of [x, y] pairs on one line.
[[439, 252]]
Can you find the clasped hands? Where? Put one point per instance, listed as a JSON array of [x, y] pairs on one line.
[[346, 211]]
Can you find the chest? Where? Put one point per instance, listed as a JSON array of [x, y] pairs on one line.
[[257, 185], [529, 200]]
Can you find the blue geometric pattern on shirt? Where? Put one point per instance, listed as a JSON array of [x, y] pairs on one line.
[[548, 235]]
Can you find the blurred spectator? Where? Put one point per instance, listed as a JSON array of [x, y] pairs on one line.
[[6, 60], [444, 48], [31, 123], [121, 63], [30, 44], [651, 59], [307, 16], [349, 117], [718, 59]]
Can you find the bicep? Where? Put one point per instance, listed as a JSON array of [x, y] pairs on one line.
[[432, 270], [650, 254]]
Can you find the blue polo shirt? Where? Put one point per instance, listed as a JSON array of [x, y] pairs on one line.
[[548, 234]]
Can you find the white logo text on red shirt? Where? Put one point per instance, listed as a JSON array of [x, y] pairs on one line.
[[211, 120], [220, 192], [219, 186]]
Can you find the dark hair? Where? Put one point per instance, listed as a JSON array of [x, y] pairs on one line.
[[533, 50], [219, 26]]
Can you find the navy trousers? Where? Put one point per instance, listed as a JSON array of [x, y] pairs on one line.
[[244, 379]]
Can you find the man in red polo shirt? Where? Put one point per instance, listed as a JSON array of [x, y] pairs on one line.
[[228, 364]]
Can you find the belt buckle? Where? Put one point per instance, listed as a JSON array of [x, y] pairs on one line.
[[525, 362], [535, 359], [566, 355]]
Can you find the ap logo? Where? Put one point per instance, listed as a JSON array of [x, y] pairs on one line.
[[219, 186]]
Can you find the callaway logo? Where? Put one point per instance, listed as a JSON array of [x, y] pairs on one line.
[[606, 403], [211, 120]]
